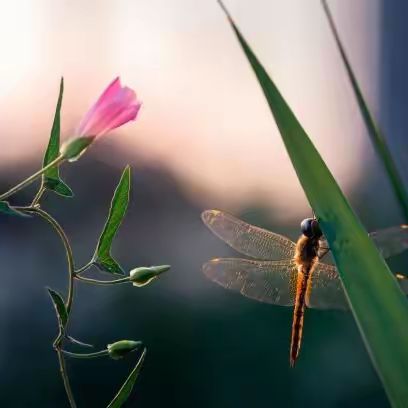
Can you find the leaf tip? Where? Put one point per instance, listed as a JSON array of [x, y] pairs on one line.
[[224, 9]]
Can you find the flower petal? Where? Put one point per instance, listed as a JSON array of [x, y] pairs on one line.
[[98, 124], [126, 116], [127, 96], [116, 106], [112, 90]]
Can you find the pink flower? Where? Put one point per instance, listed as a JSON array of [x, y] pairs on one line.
[[115, 107]]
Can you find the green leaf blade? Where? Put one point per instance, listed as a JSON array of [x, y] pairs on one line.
[[6, 208], [54, 143], [58, 186], [378, 304], [59, 306], [108, 264], [128, 385], [377, 138], [51, 179], [102, 257]]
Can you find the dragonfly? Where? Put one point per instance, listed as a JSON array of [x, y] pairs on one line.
[[283, 272]]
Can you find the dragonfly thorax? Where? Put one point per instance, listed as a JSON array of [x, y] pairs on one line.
[[306, 251]]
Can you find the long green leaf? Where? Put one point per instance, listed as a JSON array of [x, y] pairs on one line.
[[102, 257], [378, 304], [128, 385], [377, 138], [51, 179], [59, 306]]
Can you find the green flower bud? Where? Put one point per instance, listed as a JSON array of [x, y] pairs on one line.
[[75, 147], [144, 275], [122, 348]]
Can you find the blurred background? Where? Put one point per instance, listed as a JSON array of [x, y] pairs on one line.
[[203, 139]]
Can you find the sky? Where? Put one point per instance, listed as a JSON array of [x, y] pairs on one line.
[[204, 118]]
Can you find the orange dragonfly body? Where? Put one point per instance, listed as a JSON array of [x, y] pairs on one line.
[[285, 273]]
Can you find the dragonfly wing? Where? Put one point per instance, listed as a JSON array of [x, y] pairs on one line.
[[391, 241], [248, 239], [324, 247], [267, 281], [325, 290]]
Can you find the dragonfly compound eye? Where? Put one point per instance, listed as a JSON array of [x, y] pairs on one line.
[[317, 232], [307, 227], [310, 228]]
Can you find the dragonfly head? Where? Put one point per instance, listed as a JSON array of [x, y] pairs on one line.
[[310, 228]]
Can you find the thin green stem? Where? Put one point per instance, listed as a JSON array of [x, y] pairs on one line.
[[58, 339], [68, 303], [64, 375], [38, 195], [74, 341], [32, 178], [83, 268], [103, 283], [87, 355], [68, 250]]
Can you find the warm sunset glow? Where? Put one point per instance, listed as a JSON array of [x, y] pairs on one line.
[[204, 116]]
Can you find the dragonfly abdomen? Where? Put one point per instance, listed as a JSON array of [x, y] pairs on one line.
[[298, 317], [306, 258]]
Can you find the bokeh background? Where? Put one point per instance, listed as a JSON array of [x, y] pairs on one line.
[[204, 139]]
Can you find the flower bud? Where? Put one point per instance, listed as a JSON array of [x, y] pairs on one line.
[[122, 348], [75, 147], [144, 275]]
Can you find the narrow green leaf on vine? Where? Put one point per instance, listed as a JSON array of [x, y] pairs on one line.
[[59, 306], [51, 179], [6, 208], [102, 257], [128, 385]]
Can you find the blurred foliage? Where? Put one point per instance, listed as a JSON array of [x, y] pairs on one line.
[[377, 138]]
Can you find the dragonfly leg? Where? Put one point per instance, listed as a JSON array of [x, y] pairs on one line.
[[326, 251]]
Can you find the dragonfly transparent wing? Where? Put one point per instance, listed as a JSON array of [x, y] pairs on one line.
[[248, 239], [325, 290], [267, 281], [275, 282], [391, 241], [323, 247]]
